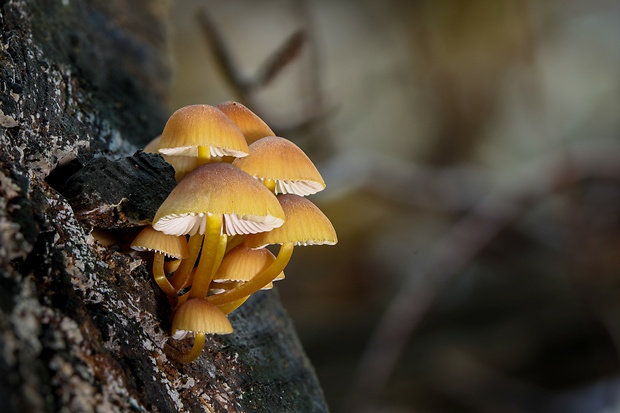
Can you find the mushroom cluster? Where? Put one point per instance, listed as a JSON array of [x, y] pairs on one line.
[[239, 189]]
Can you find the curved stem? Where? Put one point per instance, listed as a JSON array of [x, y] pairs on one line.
[[259, 281], [230, 307], [160, 278], [219, 255], [187, 265], [195, 351], [208, 257], [182, 298], [171, 266], [235, 241]]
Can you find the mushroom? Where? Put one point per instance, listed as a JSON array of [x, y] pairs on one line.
[[181, 164], [162, 245], [282, 166], [212, 202], [252, 126], [305, 225], [198, 316], [203, 131], [240, 265], [153, 145]]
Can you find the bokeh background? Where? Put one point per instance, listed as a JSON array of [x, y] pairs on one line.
[[472, 158]]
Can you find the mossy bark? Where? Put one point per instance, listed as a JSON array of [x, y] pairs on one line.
[[83, 327]]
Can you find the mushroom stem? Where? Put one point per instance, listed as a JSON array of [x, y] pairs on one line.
[[171, 266], [259, 281], [204, 154], [160, 278], [219, 255], [235, 241], [182, 273], [230, 307], [214, 241], [195, 351], [270, 184]]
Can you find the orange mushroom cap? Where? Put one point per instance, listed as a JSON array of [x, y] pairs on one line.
[[202, 125], [181, 164], [305, 224], [153, 145], [252, 126], [219, 188], [282, 161], [150, 239], [242, 263], [199, 316]]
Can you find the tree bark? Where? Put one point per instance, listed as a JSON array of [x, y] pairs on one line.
[[83, 327]]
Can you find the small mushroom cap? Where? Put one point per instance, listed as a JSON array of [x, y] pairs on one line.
[[252, 126], [279, 159], [200, 316], [181, 164], [305, 224], [243, 263], [202, 125], [153, 145], [150, 239], [219, 188]]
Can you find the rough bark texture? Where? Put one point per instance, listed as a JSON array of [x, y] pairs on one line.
[[82, 325]]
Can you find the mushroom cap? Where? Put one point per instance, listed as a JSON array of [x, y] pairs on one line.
[[243, 263], [200, 316], [150, 239], [252, 126], [219, 189], [305, 224], [279, 159], [181, 164], [153, 145], [202, 125]]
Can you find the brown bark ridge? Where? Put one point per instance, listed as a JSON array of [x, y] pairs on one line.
[[83, 328]]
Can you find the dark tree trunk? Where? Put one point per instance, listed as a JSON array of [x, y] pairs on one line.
[[83, 327]]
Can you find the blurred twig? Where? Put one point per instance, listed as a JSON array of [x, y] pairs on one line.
[[467, 237], [223, 57], [245, 88], [285, 54]]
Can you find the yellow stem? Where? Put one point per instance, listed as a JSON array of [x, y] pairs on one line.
[[224, 285], [235, 241], [195, 351], [160, 278], [204, 154], [230, 307], [257, 282], [219, 255], [187, 265], [181, 300], [270, 184], [208, 257], [171, 266]]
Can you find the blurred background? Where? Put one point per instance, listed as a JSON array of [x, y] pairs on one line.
[[472, 158]]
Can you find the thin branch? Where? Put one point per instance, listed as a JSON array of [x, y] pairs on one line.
[[286, 53], [224, 59]]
